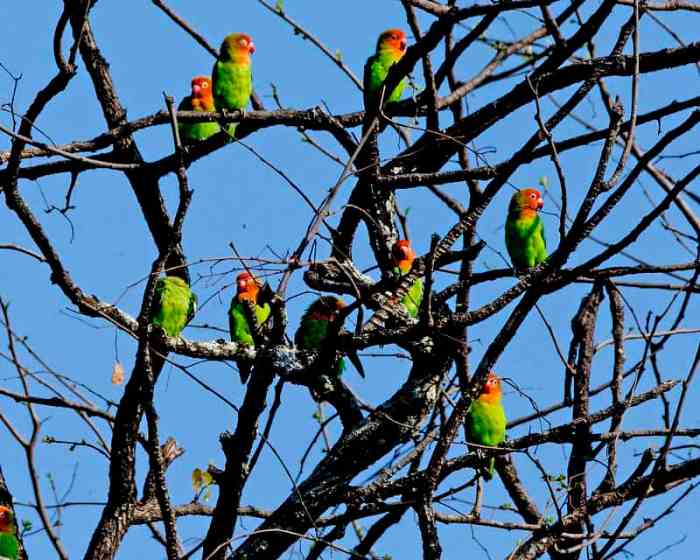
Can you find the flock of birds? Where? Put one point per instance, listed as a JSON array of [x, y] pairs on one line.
[[229, 89]]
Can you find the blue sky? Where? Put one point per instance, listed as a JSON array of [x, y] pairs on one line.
[[238, 199]]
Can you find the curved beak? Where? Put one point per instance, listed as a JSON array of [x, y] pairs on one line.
[[402, 45], [196, 88], [540, 203], [251, 47]]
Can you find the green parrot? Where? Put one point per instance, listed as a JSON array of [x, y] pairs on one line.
[[243, 311], [174, 305], [525, 239], [232, 74], [316, 324], [9, 545], [201, 100], [486, 420], [403, 256], [391, 47]]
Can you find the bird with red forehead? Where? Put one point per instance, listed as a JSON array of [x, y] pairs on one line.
[[232, 74], [320, 320], [525, 239], [402, 256], [246, 316], [9, 545], [201, 100], [486, 420], [391, 46]]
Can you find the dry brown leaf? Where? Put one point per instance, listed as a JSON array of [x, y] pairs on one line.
[[117, 373]]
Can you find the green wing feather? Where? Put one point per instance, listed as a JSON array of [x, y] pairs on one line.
[[239, 324], [174, 305], [310, 336], [526, 242], [262, 313], [241, 330], [486, 425], [376, 70], [195, 132], [232, 87], [9, 546], [413, 298]]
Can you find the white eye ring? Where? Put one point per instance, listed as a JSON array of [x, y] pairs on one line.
[[204, 85], [243, 42]]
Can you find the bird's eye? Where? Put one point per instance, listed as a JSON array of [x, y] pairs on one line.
[[532, 195], [243, 42], [204, 85]]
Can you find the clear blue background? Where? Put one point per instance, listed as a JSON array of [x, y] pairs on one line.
[[238, 199]]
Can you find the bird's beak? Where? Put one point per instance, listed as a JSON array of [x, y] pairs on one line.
[[540, 203], [242, 285], [402, 46], [251, 47], [196, 89]]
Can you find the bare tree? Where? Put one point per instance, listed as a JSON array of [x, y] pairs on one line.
[[344, 504]]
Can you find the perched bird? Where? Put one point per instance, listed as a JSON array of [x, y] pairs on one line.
[[391, 47], [525, 231], [174, 305], [232, 74], [402, 256], [9, 545], [486, 420], [245, 316], [317, 323], [202, 101]]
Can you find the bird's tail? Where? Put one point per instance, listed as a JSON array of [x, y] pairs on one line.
[[488, 473]]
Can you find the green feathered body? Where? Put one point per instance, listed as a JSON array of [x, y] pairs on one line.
[[486, 425], [242, 331], [174, 305], [9, 546], [311, 334], [195, 132], [238, 323], [413, 298], [376, 69], [232, 87], [525, 240]]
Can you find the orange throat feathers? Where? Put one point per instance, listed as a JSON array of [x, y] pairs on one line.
[[405, 265], [251, 294]]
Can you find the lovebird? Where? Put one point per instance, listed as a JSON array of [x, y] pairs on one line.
[[486, 420], [201, 100], [245, 316], [402, 256], [174, 305], [9, 546], [317, 322], [391, 47], [232, 75], [525, 231]]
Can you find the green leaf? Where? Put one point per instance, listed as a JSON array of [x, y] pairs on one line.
[[338, 55], [544, 181], [279, 6]]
